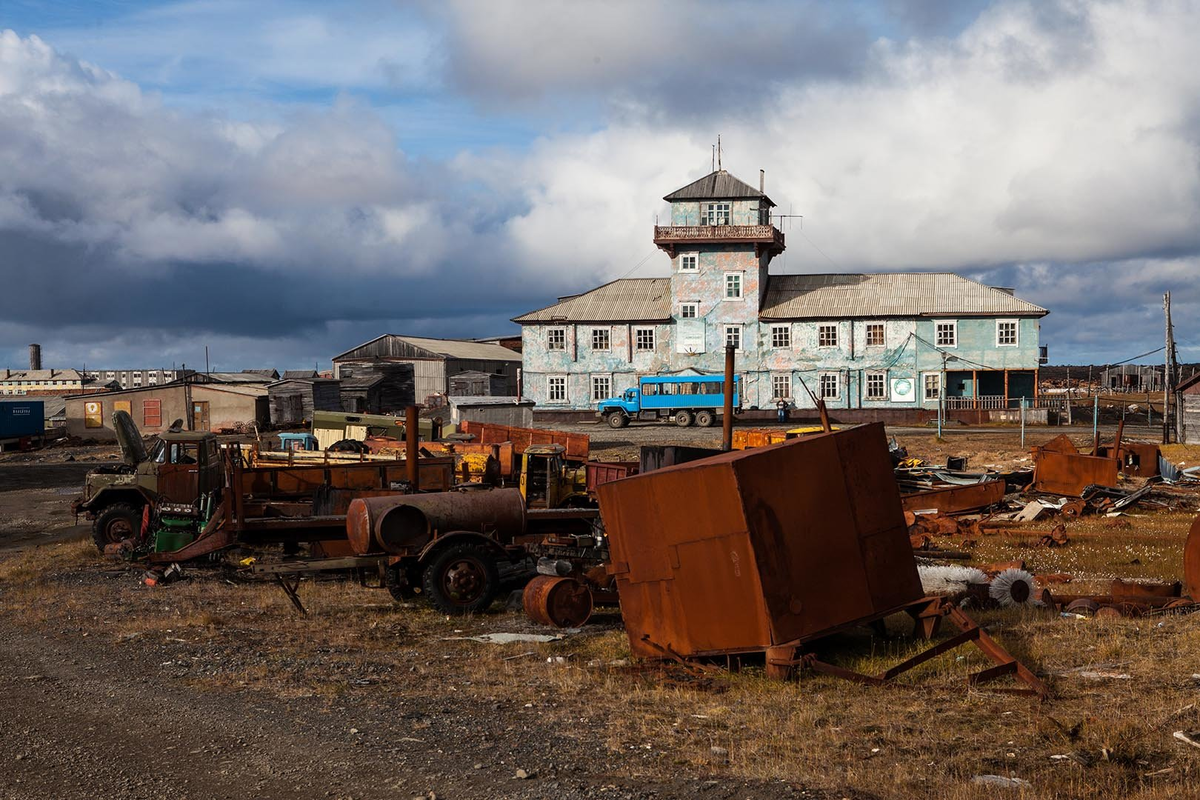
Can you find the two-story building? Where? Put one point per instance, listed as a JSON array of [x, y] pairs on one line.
[[873, 341]]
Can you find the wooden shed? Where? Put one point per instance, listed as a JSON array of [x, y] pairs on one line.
[[377, 387], [293, 400], [476, 383]]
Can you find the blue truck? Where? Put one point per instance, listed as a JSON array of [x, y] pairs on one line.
[[688, 399]]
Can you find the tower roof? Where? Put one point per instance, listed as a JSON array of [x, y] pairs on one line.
[[719, 185]]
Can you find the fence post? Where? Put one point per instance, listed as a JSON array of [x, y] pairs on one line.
[[1022, 423], [1095, 415]]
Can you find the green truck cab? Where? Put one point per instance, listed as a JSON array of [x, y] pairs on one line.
[[180, 468]]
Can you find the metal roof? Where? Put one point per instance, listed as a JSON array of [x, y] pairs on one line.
[[624, 300], [719, 185], [889, 294], [447, 348]]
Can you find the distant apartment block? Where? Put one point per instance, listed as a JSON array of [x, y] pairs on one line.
[[136, 378]]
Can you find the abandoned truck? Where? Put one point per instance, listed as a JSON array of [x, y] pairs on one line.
[[686, 399]]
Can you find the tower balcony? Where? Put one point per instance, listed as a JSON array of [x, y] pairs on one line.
[[765, 238]]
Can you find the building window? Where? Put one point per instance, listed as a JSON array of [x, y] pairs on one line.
[[830, 386], [556, 339], [733, 286], [1006, 333], [688, 310], [689, 262], [733, 336], [876, 386], [781, 336], [556, 389], [717, 214], [601, 387], [827, 336], [781, 387], [601, 339], [875, 334], [933, 385], [643, 339], [947, 334]]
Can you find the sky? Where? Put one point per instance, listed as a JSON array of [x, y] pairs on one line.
[[281, 181]]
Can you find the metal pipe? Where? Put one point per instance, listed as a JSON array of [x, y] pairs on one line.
[[1022, 423], [727, 421], [1095, 422], [410, 448], [403, 524]]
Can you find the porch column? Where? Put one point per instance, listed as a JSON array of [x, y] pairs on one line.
[[975, 388], [1006, 388]]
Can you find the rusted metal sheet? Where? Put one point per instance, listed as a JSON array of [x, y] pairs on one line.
[[600, 472], [473, 454], [404, 524], [560, 602], [437, 474], [575, 444], [1137, 459], [955, 499], [1059, 468], [1191, 561], [750, 549], [746, 438]]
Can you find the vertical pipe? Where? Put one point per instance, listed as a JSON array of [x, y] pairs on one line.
[[727, 421], [410, 448], [1095, 422], [1023, 423]]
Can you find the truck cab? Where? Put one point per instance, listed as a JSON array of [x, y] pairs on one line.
[[181, 467], [618, 410]]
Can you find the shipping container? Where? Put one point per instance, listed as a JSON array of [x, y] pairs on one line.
[[19, 418]]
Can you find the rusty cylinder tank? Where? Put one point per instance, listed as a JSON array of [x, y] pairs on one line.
[[557, 602], [403, 524]]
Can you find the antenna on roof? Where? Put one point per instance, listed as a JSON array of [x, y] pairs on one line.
[[719, 151], [714, 158]]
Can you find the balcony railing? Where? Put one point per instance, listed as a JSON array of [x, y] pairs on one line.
[[994, 402], [718, 233]]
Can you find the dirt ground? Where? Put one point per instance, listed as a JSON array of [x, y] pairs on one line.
[[216, 687]]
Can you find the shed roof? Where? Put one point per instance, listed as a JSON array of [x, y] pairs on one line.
[[290, 374], [446, 348], [888, 294], [719, 185], [624, 300]]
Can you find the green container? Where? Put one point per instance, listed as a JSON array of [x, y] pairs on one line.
[[166, 540]]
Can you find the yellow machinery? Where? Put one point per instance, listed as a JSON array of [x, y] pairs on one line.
[[548, 481]]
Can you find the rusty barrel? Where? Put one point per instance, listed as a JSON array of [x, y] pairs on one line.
[[557, 602], [402, 524]]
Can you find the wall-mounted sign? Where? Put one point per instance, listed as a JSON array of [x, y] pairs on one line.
[[689, 336], [903, 390]]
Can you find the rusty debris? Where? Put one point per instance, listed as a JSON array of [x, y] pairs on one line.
[[1059, 468]]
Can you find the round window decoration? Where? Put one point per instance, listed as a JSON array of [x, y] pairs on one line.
[[902, 388]]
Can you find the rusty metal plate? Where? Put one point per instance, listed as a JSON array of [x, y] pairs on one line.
[[955, 499], [753, 548], [1069, 474]]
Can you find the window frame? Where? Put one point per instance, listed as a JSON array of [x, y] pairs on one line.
[[550, 398], [729, 327], [937, 377], [882, 334], [868, 377], [741, 286], [693, 305], [837, 385], [821, 328], [637, 335], [695, 256], [776, 379], [1016, 330], [724, 205], [607, 333], [953, 323], [603, 376], [786, 330], [550, 341]]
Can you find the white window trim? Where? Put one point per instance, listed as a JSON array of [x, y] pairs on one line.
[[837, 384], [564, 339], [781, 376], [653, 340], [694, 269], [788, 329], [952, 322], [866, 383], [866, 334], [601, 349], [741, 329], [566, 394], [837, 337], [741, 275], [936, 376], [695, 304], [592, 385], [1016, 323]]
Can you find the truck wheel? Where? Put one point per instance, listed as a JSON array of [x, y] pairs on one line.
[[683, 418], [402, 584], [462, 580], [116, 523], [705, 419], [617, 420]]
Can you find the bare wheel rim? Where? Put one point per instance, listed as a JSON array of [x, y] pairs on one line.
[[463, 581]]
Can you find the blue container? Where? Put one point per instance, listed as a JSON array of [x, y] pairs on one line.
[[21, 418]]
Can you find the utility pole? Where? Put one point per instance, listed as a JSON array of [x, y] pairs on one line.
[[1068, 395], [1167, 369]]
